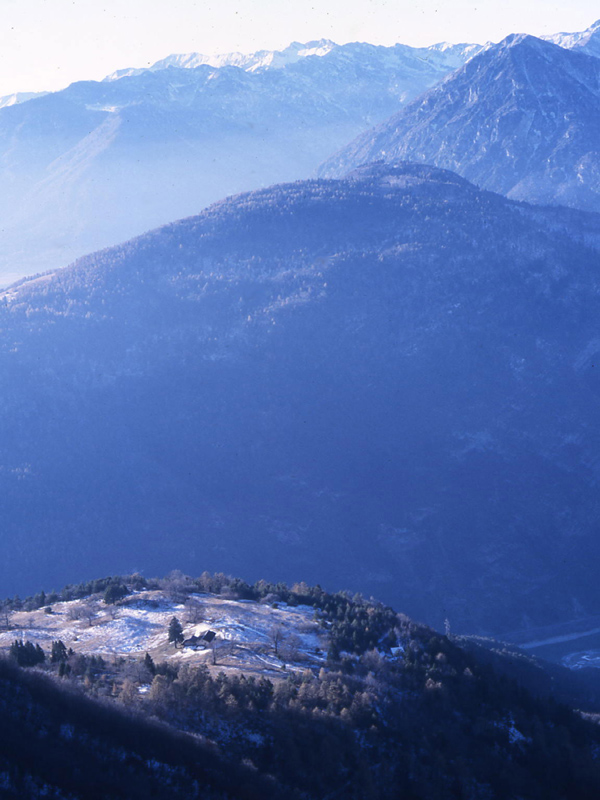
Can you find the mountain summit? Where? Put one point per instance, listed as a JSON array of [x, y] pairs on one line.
[[521, 118]]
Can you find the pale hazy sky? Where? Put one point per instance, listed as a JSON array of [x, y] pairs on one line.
[[47, 44]]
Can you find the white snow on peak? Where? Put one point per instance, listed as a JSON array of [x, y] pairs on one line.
[[588, 41], [249, 62], [262, 59], [514, 39], [442, 55], [19, 97], [455, 55]]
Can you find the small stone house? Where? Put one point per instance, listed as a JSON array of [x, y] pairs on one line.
[[197, 642]]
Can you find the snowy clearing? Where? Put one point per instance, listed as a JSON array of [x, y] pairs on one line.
[[250, 637]]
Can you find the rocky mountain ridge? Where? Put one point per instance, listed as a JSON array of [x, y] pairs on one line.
[[520, 118], [587, 41], [440, 56]]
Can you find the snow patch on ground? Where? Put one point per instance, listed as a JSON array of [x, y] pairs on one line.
[[248, 633], [585, 659]]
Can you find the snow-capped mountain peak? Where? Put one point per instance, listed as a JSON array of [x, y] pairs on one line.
[[455, 55], [441, 56], [249, 62], [19, 97]]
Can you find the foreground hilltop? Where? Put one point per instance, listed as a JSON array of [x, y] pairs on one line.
[[381, 707], [390, 708], [235, 634], [385, 382]]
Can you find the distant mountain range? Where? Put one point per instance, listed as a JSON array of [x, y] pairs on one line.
[[442, 56], [387, 382], [521, 118], [100, 162]]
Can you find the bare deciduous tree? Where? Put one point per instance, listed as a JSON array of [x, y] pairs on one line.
[[129, 694], [86, 611], [194, 611], [5, 618], [276, 634], [221, 648], [291, 648], [138, 672], [177, 585]]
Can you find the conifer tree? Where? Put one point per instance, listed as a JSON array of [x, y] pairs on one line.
[[175, 631], [58, 652]]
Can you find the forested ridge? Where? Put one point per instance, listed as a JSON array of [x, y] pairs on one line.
[[384, 382]]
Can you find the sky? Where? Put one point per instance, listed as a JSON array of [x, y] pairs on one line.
[[47, 44]]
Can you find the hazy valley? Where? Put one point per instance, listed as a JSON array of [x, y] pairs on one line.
[[149, 146]]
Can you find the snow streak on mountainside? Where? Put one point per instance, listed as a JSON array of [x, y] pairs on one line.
[[100, 162], [521, 118], [386, 383]]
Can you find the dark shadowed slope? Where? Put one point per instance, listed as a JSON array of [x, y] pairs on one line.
[[521, 118], [56, 743], [387, 383]]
